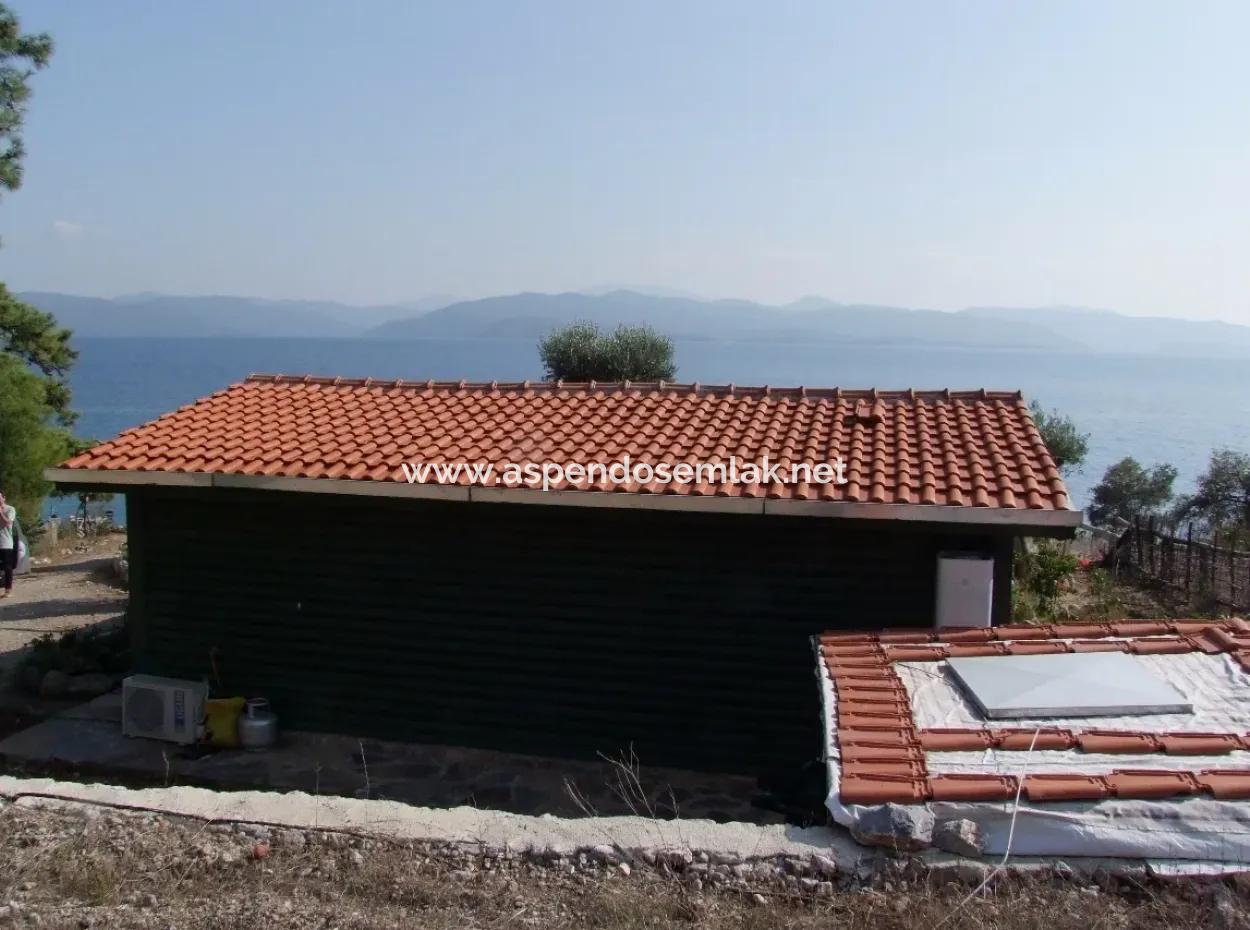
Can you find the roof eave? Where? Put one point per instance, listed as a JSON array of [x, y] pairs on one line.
[[1019, 519]]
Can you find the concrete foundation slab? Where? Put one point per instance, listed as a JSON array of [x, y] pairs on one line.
[[87, 739]]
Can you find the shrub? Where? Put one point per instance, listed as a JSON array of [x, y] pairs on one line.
[[1067, 445], [1041, 570], [581, 352]]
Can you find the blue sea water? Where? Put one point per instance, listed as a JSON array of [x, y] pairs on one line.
[[1155, 409]]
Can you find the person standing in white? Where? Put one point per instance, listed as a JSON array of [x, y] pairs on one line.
[[8, 544]]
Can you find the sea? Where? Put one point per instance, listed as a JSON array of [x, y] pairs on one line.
[[1154, 408]]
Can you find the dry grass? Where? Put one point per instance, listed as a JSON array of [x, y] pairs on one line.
[[60, 868]]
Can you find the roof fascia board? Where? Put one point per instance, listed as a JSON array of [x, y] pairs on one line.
[[618, 499], [106, 477], [919, 513], [929, 513], [442, 492]]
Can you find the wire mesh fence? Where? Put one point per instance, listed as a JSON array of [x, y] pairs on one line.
[[1216, 570]]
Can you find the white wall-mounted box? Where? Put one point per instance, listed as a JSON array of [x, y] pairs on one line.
[[965, 589]]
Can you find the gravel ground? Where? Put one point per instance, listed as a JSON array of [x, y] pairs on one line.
[[76, 589], [68, 865]]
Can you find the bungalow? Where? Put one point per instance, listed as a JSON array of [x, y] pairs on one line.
[[290, 537]]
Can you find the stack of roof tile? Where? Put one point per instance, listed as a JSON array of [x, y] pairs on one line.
[[882, 752]]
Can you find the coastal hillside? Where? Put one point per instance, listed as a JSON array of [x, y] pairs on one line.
[[811, 319], [533, 315], [168, 315]]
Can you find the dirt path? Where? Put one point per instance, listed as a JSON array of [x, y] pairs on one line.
[[73, 592]]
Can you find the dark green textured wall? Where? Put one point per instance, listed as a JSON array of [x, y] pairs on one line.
[[555, 630]]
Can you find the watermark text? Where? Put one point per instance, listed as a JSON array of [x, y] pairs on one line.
[[549, 475]]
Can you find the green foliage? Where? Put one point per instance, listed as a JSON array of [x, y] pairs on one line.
[[581, 352], [35, 354], [1107, 602], [1127, 490], [1066, 444], [1222, 500], [20, 56], [78, 651], [1041, 570], [1023, 605], [33, 337], [29, 442]]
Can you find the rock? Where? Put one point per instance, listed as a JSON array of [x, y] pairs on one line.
[[758, 899], [824, 865], [293, 838], [624, 867], [958, 872], [674, 857], [961, 837], [898, 826], [90, 684], [606, 854], [357, 858], [54, 683]]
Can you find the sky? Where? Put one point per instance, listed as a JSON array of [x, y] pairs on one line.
[[928, 154]]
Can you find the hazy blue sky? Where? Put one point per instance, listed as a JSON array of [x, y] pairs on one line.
[[926, 154]]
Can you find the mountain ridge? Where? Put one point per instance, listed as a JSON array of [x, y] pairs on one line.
[[531, 315]]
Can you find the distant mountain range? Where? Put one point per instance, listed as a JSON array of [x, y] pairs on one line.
[[531, 316], [172, 315]]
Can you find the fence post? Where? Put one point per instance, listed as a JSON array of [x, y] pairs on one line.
[[1137, 540], [1189, 555], [1215, 551], [1232, 569], [1150, 534]]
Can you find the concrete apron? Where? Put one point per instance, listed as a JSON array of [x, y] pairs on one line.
[[465, 826], [637, 839], [88, 739]]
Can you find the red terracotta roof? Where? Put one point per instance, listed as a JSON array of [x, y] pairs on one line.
[[969, 448], [882, 751]]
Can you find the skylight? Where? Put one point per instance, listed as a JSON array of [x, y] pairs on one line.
[[1092, 684]]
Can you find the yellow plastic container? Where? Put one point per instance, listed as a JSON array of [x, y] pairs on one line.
[[221, 720]]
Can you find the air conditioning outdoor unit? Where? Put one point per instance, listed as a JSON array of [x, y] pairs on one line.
[[965, 589], [163, 708]]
